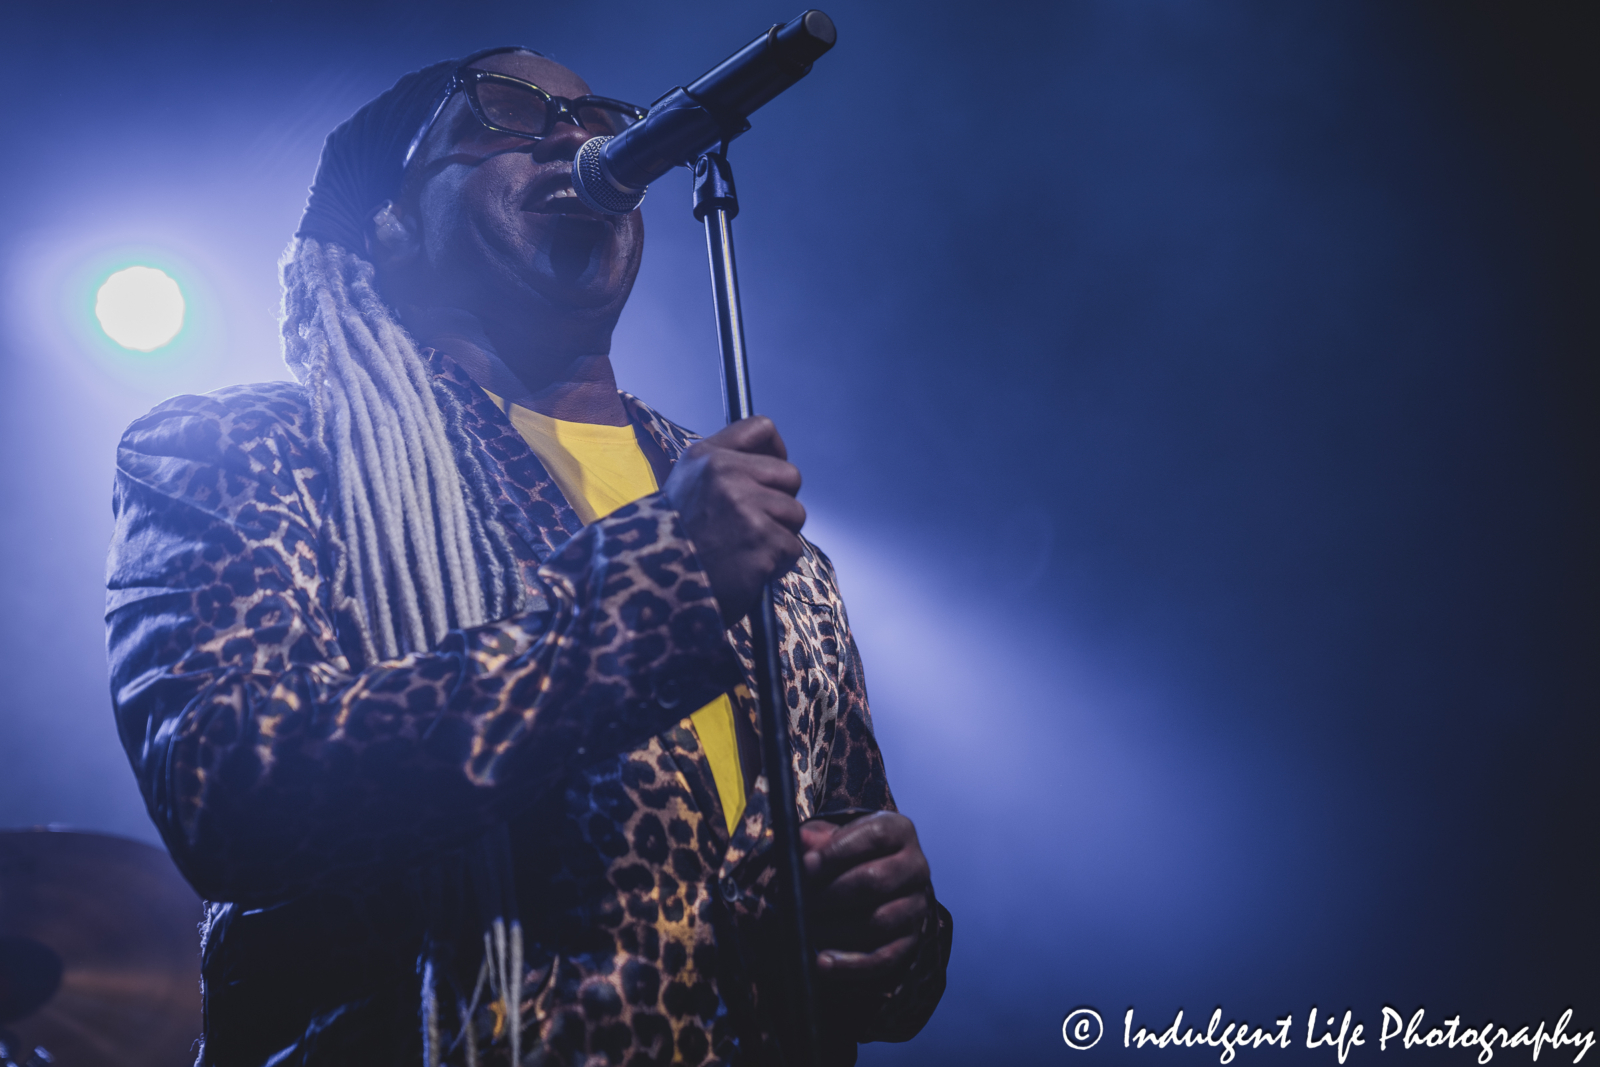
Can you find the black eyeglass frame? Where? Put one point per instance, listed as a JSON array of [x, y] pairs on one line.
[[466, 79]]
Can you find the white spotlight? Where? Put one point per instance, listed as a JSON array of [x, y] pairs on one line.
[[140, 308]]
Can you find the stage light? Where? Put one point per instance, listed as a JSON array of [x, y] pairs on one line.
[[140, 308]]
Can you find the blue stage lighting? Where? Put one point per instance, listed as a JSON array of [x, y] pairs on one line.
[[140, 308]]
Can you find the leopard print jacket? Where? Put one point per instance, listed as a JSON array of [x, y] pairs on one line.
[[303, 791]]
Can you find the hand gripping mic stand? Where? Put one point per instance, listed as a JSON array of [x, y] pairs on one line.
[[715, 204]]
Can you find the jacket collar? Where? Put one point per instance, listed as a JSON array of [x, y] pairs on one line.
[[525, 497]]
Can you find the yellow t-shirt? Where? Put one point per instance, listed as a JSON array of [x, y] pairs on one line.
[[599, 469]]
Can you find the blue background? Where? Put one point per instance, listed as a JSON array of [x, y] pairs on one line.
[[1198, 400]]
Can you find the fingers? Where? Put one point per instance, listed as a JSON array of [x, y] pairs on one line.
[[880, 834], [735, 492], [766, 470], [869, 897], [815, 833], [740, 562], [771, 524], [869, 929], [787, 512], [868, 885], [838, 965], [756, 434]]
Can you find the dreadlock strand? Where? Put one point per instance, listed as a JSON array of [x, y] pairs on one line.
[[401, 370], [410, 538], [380, 468], [409, 527], [300, 343], [366, 465], [368, 595], [306, 352], [363, 521], [319, 362], [455, 528], [489, 533], [398, 414], [403, 458]]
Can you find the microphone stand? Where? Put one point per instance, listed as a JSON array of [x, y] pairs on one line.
[[715, 204]]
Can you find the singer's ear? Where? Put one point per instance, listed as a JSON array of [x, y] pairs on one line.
[[390, 242]]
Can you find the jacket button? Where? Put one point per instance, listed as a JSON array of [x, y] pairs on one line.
[[730, 889], [668, 695]]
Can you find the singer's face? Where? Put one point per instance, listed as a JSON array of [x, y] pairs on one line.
[[497, 216]]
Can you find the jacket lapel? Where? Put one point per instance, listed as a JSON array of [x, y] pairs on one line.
[[521, 491], [531, 505], [525, 497], [673, 440]]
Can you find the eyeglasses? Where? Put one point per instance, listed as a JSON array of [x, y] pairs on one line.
[[521, 109]]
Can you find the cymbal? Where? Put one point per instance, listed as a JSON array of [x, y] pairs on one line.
[[99, 955]]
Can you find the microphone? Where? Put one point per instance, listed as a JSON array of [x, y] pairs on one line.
[[610, 173]]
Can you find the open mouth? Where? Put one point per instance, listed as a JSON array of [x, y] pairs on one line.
[[578, 235], [562, 201], [554, 196]]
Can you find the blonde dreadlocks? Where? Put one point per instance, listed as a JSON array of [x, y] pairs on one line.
[[417, 547], [415, 539]]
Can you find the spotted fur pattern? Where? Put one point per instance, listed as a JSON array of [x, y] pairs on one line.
[[306, 791]]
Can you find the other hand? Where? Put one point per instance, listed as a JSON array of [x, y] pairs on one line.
[[736, 494], [867, 895]]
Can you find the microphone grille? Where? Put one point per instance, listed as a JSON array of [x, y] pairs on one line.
[[595, 187]]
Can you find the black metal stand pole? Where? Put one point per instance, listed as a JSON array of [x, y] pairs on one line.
[[715, 204]]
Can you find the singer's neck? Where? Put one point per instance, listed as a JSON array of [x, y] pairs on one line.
[[563, 374]]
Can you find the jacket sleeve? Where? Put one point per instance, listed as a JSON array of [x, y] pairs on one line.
[[856, 781], [270, 767]]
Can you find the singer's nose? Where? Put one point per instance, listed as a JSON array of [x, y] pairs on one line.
[[561, 143]]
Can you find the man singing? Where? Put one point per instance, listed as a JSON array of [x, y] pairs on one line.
[[434, 665]]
